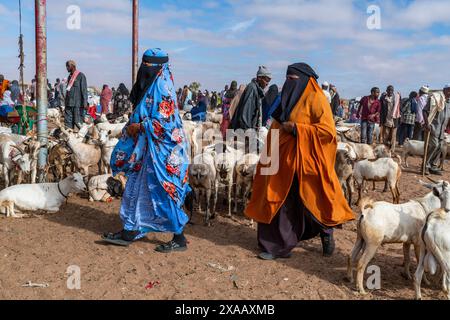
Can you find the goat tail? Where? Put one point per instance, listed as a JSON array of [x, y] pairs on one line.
[[397, 157]]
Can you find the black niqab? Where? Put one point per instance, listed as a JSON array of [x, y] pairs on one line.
[[293, 89], [145, 77]]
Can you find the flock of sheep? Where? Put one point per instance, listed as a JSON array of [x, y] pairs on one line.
[[215, 164]]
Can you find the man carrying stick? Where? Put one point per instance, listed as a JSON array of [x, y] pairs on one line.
[[436, 116]]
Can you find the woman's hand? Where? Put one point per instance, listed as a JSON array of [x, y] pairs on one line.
[[288, 126], [134, 129]]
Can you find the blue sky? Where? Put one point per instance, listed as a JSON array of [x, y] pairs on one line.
[[216, 41]]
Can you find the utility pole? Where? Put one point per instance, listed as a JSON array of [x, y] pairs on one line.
[[135, 40], [21, 54], [41, 82]]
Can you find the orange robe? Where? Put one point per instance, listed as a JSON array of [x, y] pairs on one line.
[[3, 88], [311, 155]]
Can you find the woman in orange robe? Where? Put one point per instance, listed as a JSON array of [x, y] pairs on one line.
[[303, 198]]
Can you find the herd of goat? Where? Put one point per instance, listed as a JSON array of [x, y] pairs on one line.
[[73, 157]]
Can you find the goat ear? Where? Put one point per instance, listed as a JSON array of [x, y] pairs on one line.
[[436, 192]]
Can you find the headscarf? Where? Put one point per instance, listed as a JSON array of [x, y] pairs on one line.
[[268, 101], [122, 89], [293, 89], [231, 93], [146, 75], [15, 90]]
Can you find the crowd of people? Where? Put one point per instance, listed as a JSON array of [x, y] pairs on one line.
[[301, 201]]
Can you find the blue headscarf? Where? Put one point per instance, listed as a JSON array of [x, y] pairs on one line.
[[163, 141]]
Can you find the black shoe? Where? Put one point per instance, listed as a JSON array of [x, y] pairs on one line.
[[171, 246], [123, 238], [328, 245], [436, 172]]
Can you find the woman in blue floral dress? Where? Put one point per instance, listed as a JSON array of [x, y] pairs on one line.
[[153, 153]]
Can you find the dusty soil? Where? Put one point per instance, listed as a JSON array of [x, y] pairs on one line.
[[41, 248]]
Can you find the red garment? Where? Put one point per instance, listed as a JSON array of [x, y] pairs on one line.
[[370, 113], [92, 112], [105, 99]]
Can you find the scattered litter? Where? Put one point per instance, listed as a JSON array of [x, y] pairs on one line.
[[29, 284], [235, 279], [219, 267], [286, 279], [151, 284]]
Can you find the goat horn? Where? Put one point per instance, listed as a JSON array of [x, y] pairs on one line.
[[18, 148]]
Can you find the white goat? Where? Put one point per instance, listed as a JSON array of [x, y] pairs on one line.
[[12, 158], [108, 144], [43, 196], [84, 155], [412, 148], [383, 222], [202, 176], [98, 188], [245, 171], [225, 159], [114, 128], [435, 243], [384, 169]]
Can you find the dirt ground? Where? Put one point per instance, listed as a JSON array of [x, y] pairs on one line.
[[41, 248]]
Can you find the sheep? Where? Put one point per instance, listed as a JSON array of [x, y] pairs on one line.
[[435, 243], [384, 169], [202, 176], [344, 171], [12, 158], [245, 171], [412, 148], [43, 196], [107, 145], [383, 222]]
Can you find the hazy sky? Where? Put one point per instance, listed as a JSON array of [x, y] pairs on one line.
[[216, 41]]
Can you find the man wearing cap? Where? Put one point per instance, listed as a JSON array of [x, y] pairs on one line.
[[326, 91], [248, 114], [436, 116], [421, 103], [76, 96]]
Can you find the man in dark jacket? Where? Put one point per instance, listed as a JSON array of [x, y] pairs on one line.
[[335, 100], [248, 114], [76, 96]]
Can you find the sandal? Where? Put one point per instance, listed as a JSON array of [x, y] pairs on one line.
[[270, 257], [123, 238], [171, 246]]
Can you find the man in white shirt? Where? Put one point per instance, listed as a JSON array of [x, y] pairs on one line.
[[326, 91]]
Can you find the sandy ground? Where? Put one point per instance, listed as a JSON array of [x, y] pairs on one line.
[[41, 248]]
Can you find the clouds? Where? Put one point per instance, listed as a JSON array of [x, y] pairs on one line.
[[216, 41]]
